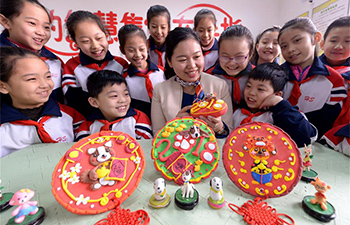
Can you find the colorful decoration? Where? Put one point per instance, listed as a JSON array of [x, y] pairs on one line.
[[308, 174], [187, 196], [317, 206], [27, 211], [121, 216], [216, 198], [209, 106], [259, 212], [262, 160], [160, 198], [98, 173], [185, 144]]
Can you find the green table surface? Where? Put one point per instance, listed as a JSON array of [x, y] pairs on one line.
[[32, 168]]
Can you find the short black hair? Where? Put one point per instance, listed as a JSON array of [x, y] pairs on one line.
[[100, 79], [341, 22], [272, 72]]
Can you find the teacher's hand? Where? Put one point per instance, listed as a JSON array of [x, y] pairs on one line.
[[183, 112], [214, 122]]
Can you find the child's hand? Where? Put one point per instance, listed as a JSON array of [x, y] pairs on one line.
[[183, 112], [214, 122], [271, 100]]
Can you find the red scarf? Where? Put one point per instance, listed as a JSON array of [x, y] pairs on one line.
[[148, 83], [44, 136], [236, 89], [249, 115], [160, 58]]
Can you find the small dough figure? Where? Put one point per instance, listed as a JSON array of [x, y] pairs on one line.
[[308, 174], [187, 196], [307, 158], [321, 187], [160, 198], [317, 205], [216, 198], [27, 211]]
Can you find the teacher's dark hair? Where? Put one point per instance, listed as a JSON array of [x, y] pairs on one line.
[[174, 37]]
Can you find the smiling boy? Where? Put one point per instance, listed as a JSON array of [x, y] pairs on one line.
[[263, 103], [109, 94]]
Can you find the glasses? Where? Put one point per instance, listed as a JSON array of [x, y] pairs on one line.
[[237, 59]]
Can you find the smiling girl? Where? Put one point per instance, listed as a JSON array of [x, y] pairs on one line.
[[317, 89], [27, 25], [90, 35], [142, 74], [28, 116]]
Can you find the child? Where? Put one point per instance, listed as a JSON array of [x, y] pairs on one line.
[[142, 74], [235, 49], [266, 48], [28, 25], [263, 102], [30, 116], [158, 23], [89, 34], [205, 26], [336, 48], [317, 89], [109, 93]]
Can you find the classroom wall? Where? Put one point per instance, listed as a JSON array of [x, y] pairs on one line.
[[257, 15]]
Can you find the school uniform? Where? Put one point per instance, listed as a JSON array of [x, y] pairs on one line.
[[135, 123], [141, 85], [344, 70], [57, 123], [320, 95], [54, 63], [237, 83], [338, 138], [283, 115], [75, 75], [211, 56], [156, 55]]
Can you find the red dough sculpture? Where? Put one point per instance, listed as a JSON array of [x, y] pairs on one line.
[[185, 144], [98, 173], [209, 106], [262, 160]]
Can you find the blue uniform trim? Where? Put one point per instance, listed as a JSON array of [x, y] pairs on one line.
[[9, 113], [345, 75], [86, 60], [344, 131], [131, 71], [153, 46], [316, 68], [44, 52]]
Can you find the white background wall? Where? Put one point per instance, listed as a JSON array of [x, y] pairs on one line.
[[257, 15]]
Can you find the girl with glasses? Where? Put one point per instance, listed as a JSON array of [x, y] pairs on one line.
[[235, 49]]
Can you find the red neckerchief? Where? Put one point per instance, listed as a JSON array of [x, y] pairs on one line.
[[148, 82], [44, 136], [236, 89], [249, 115]]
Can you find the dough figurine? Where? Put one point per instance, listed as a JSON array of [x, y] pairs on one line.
[[27, 211], [4, 199], [317, 206], [187, 196], [308, 174], [160, 198], [216, 198], [209, 106]]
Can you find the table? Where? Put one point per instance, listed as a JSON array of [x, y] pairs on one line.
[[32, 168]]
